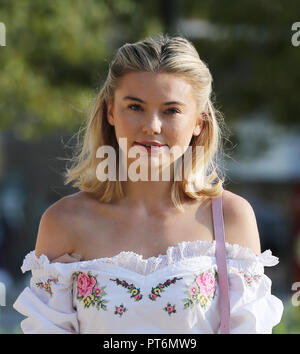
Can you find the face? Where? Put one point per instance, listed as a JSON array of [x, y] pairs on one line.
[[155, 107]]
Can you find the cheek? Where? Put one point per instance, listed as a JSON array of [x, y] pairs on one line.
[[181, 134], [187, 132], [124, 123]]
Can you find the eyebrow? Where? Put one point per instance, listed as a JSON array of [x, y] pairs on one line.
[[140, 100]]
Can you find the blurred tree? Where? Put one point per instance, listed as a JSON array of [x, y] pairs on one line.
[[57, 55], [290, 321], [250, 54]]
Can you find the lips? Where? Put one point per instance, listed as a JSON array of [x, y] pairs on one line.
[[151, 148], [150, 144]]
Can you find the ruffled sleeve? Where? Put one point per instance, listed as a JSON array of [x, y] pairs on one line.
[[48, 301], [253, 308]]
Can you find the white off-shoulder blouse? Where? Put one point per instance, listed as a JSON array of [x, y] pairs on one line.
[[176, 292]]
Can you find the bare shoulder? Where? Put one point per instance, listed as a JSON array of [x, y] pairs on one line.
[[240, 222], [55, 232]]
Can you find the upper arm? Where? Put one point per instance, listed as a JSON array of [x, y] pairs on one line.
[[54, 237], [240, 222]]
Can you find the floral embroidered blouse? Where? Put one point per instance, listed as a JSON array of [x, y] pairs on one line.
[[173, 293]]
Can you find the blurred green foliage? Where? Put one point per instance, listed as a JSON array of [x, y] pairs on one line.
[[290, 322], [57, 55], [251, 56], [16, 330]]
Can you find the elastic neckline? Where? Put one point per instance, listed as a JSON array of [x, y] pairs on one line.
[[136, 262]]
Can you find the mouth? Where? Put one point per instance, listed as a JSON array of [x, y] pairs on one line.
[[150, 147], [156, 145]]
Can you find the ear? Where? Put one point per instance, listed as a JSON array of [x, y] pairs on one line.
[[110, 114], [199, 124]]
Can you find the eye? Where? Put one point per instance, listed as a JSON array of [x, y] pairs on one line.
[[133, 105], [174, 110]]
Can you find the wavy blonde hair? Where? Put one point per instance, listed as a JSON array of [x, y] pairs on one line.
[[154, 54]]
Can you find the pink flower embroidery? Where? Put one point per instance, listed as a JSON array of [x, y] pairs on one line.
[[249, 278], [202, 290], [170, 308], [47, 285], [85, 284], [97, 291], [206, 283], [194, 289], [119, 310], [89, 291]]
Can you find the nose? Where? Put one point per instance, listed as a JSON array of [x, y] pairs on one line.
[[152, 124]]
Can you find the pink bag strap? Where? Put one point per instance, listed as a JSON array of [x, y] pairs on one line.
[[224, 304]]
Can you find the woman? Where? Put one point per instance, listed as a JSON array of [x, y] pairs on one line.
[[141, 255]]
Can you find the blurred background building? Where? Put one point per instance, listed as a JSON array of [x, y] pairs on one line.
[[55, 59]]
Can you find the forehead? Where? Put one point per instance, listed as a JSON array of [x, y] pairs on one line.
[[155, 87]]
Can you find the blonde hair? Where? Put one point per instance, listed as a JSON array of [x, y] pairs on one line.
[[154, 54]]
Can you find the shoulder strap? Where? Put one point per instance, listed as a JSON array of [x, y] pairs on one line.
[[224, 304]]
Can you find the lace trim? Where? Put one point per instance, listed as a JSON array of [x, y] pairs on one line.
[[31, 261], [136, 262]]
